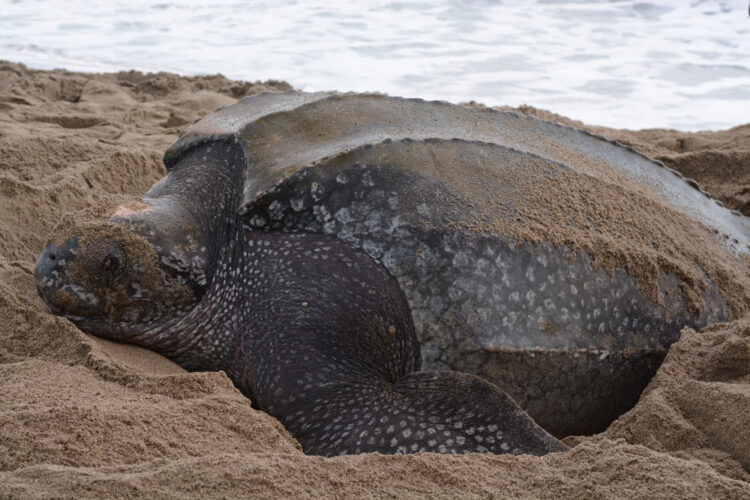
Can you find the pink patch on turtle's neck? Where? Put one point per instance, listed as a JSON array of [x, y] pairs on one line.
[[130, 209]]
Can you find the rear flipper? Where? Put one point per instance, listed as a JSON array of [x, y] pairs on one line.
[[441, 412]]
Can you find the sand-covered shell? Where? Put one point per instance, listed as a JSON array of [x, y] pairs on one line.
[[553, 262]]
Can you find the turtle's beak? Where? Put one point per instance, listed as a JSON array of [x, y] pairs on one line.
[[54, 284]]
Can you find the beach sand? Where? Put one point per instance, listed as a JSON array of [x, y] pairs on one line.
[[85, 417]]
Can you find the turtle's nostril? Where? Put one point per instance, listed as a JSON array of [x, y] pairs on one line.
[[48, 263]]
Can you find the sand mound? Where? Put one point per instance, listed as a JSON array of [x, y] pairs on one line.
[[83, 417], [699, 401]]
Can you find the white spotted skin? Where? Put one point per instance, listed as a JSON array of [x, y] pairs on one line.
[[320, 336]]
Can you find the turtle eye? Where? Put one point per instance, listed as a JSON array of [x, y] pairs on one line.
[[113, 264]]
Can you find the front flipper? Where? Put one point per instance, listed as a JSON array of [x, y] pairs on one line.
[[330, 350], [441, 412]]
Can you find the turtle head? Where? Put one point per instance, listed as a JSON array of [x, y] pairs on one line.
[[126, 278]]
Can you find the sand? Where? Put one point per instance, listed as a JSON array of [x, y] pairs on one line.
[[84, 417]]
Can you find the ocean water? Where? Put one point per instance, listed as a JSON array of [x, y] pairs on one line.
[[682, 64]]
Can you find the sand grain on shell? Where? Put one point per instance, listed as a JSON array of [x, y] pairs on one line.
[[83, 417]]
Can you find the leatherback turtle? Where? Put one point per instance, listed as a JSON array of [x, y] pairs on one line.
[[307, 244]]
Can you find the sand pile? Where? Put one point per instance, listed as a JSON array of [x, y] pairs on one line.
[[84, 417]]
